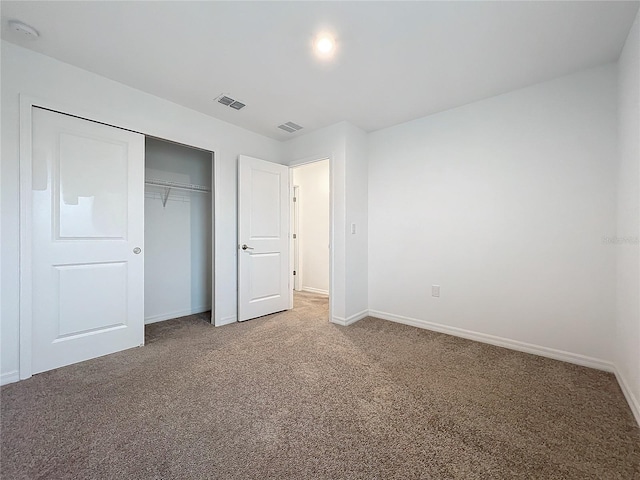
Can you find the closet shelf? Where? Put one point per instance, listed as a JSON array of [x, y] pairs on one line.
[[168, 185], [178, 185]]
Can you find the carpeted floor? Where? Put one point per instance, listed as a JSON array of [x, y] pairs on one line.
[[291, 396]]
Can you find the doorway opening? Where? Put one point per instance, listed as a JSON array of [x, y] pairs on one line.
[[311, 227]]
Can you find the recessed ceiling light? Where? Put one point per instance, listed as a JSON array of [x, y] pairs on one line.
[[324, 45]]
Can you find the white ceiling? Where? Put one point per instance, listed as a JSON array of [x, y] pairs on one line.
[[396, 61]]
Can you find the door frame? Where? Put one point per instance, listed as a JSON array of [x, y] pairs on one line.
[[25, 314], [295, 230], [332, 190]]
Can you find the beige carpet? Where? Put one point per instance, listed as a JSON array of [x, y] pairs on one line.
[[291, 396]]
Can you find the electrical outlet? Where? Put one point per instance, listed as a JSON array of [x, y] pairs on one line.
[[435, 290]]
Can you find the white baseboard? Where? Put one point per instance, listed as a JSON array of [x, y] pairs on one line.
[[633, 402], [180, 313], [562, 355], [315, 290], [345, 322], [9, 377], [226, 321]]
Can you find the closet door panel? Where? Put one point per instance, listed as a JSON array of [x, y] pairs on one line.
[[87, 227]]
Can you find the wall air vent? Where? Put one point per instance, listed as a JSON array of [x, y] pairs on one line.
[[227, 101], [290, 127]]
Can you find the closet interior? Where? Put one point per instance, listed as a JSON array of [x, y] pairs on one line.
[[177, 230]]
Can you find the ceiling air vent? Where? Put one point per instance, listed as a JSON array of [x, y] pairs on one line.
[[227, 101], [223, 99], [290, 127]]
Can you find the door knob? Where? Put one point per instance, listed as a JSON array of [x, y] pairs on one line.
[[137, 250], [246, 247]]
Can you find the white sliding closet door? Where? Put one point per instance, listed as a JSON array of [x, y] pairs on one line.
[[87, 235]]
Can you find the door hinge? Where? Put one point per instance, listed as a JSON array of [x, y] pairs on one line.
[[294, 199], [294, 272], [295, 236]]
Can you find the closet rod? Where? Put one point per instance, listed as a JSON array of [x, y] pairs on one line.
[[178, 185]]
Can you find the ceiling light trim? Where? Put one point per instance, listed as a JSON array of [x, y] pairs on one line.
[[324, 45]]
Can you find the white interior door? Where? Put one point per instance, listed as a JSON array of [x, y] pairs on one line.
[[87, 234], [263, 236]]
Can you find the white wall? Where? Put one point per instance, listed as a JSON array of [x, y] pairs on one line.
[[24, 71], [627, 345], [357, 244], [504, 203], [177, 236], [313, 229]]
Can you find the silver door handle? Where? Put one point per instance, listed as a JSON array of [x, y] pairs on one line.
[[137, 250], [245, 247]]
